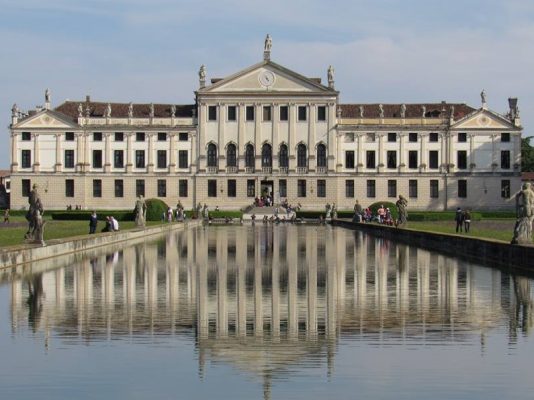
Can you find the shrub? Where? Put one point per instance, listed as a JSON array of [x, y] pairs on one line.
[[81, 215], [155, 208], [316, 214], [224, 214], [498, 214], [392, 208], [438, 216]]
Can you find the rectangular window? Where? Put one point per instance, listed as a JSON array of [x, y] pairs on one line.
[[26, 136], [232, 113], [69, 136], [118, 158], [162, 188], [392, 137], [119, 136], [505, 137], [212, 113], [212, 188], [391, 158], [349, 188], [69, 187], [282, 187], [392, 188], [183, 137], [267, 113], [412, 188], [302, 113], [162, 158], [462, 159], [251, 188], [505, 159], [139, 187], [321, 113], [412, 137], [412, 159], [119, 188], [232, 188], [97, 187], [284, 113], [505, 189], [26, 159], [371, 188], [321, 188], [182, 188], [434, 188], [370, 159], [97, 136], [249, 113], [139, 159], [140, 136], [69, 158], [433, 137], [182, 159], [301, 188], [433, 159], [462, 137], [462, 188], [26, 187], [162, 136], [349, 159]]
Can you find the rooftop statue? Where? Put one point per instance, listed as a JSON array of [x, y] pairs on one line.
[[361, 111], [483, 96], [173, 110], [47, 95], [151, 110], [381, 110], [130, 110], [80, 110], [14, 110], [403, 111], [108, 111], [423, 108], [268, 43], [202, 72]]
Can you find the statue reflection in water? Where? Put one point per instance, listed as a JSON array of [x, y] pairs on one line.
[[35, 301]]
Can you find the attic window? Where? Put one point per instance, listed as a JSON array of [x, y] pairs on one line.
[[69, 136], [26, 136]]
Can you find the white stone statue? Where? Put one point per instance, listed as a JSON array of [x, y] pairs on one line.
[[423, 108], [47, 95], [140, 212], [173, 111], [403, 111], [524, 200], [151, 110], [361, 111], [483, 97], [130, 110], [268, 43], [381, 110], [108, 111], [330, 76], [202, 73], [80, 110], [15, 110], [87, 111]]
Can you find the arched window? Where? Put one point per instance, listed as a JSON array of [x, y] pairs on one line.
[[231, 160], [283, 157], [321, 155], [266, 155], [249, 156], [302, 160], [212, 155]]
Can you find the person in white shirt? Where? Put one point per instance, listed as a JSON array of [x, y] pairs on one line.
[[114, 224]]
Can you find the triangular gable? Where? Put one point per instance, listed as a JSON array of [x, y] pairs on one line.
[[46, 119], [483, 119], [249, 80]]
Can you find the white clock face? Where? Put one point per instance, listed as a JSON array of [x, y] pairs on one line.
[[267, 78]]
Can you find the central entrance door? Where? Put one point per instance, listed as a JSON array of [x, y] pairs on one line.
[[267, 189]]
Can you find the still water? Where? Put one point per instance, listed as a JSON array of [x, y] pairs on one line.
[[252, 312]]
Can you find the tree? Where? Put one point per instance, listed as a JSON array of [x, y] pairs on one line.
[[527, 155]]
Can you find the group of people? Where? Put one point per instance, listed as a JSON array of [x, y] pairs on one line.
[[112, 225], [274, 218], [177, 215], [383, 214], [463, 220], [263, 201]]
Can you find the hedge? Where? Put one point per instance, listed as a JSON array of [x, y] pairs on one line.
[[317, 214], [119, 215], [226, 214], [438, 216], [387, 204]]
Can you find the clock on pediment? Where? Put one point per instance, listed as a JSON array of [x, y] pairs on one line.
[[266, 78]]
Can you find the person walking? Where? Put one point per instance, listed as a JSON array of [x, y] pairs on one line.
[[467, 220], [6, 216], [93, 222], [459, 218]]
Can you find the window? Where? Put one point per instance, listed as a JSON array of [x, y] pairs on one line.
[[266, 155], [349, 159], [118, 159], [182, 158], [462, 188], [162, 159], [162, 136], [392, 137], [321, 113], [433, 159], [282, 186], [505, 189], [212, 155], [162, 188], [232, 113], [321, 188], [97, 136], [302, 113], [232, 191], [139, 159], [119, 188], [119, 136], [302, 160], [97, 187], [433, 137], [212, 188], [412, 159], [392, 188], [462, 159], [251, 188], [182, 188], [97, 158], [284, 113], [349, 188], [301, 188], [321, 155], [183, 137], [212, 113], [26, 187], [69, 187], [26, 136], [412, 188], [69, 158], [434, 188], [249, 156], [462, 137], [505, 159], [371, 188], [283, 157], [69, 136], [412, 137], [505, 137], [26, 159], [370, 137], [391, 159], [267, 113], [139, 187], [249, 113], [140, 136], [370, 159], [231, 155]]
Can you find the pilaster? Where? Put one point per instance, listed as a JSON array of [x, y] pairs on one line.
[[36, 155], [172, 152], [129, 162], [107, 151], [150, 164], [59, 163], [423, 158], [402, 162], [14, 152]]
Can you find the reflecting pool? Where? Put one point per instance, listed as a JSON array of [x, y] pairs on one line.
[[253, 312]]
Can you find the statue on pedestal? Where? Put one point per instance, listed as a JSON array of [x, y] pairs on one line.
[[151, 110], [361, 111], [34, 216], [80, 110], [524, 203], [202, 76], [130, 110], [423, 108], [331, 77], [108, 111], [401, 204], [403, 111], [140, 212], [15, 110], [173, 111], [328, 211], [381, 110]]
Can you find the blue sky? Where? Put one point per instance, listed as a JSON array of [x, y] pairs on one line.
[[382, 51]]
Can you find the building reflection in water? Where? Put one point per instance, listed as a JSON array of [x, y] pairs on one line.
[[268, 298]]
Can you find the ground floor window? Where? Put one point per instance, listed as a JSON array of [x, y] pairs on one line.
[[321, 188], [505, 189], [212, 188], [162, 188], [371, 188], [349, 188], [392, 188], [26, 187], [434, 188], [412, 188], [97, 187], [462, 188], [251, 188], [139, 187], [282, 187], [232, 188], [69, 187], [119, 188], [182, 188], [301, 188]]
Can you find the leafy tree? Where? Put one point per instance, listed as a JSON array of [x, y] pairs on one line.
[[527, 155]]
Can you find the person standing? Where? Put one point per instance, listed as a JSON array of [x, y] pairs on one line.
[[459, 218], [6, 216], [467, 220], [93, 222]]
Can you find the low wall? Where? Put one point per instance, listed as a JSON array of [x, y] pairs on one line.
[[486, 251], [23, 254]]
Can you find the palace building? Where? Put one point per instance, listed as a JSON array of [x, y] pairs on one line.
[[266, 129]]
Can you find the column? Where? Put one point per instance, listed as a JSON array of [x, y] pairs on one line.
[[331, 138], [14, 152], [443, 153], [107, 164], [129, 151], [275, 143], [472, 160], [220, 137], [402, 162], [361, 159], [150, 165], [172, 152], [241, 137], [380, 151], [59, 162], [201, 135], [339, 151], [423, 157], [36, 156], [79, 152], [311, 137], [194, 155], [292, 132]]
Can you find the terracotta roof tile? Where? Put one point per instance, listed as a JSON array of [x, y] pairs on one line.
[[527, 176], [412, 110]]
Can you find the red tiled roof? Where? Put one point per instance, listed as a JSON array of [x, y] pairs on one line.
[[4, 173], [527, 176], [412, 110]]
